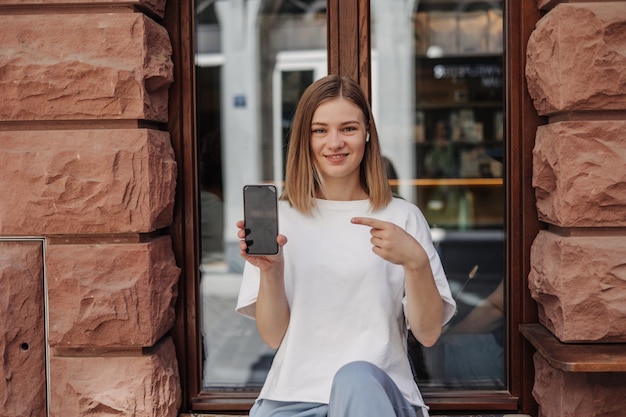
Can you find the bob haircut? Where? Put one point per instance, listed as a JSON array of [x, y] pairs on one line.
[[302, 182]]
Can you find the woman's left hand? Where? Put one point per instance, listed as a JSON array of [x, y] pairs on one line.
[[393, 243]]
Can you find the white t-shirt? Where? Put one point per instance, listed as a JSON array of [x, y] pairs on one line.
[[347, 303]]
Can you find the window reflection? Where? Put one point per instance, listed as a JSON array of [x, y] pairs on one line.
[[253, 61], [459, 100], [442, 128], [437, 99]]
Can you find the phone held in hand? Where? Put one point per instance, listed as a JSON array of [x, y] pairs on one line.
[[260, 207]]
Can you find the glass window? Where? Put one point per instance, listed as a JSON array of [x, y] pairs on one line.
[[437, 99], [253, 61], [438, 104]]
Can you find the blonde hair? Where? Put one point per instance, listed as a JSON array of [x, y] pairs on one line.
[[301, 178]]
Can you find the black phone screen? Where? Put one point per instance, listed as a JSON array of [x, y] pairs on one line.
[[260, 208]]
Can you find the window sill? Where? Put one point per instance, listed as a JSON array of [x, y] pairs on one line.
[[575, 357]]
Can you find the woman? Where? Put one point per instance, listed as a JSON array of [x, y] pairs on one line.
[[358, 268]]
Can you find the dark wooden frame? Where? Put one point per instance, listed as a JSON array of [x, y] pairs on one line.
[[179, 21], [349, 54], [522, 223], [348, 40]]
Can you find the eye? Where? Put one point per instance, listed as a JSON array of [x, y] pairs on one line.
[[318, 131], [350, 129]]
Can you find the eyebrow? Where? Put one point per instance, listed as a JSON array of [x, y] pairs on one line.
[[341, 124]]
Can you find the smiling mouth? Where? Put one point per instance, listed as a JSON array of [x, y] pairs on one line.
[[337, 156]]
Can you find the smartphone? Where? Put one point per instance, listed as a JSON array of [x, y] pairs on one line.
[[260, 213]]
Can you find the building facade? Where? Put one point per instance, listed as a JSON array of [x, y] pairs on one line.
[[99, 217]]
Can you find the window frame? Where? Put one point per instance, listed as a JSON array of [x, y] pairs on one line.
[[348, 40]]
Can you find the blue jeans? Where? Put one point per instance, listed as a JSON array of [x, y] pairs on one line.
[[359, 389]]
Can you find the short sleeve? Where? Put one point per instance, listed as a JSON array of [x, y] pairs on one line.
[[419, 228], [248, 292]]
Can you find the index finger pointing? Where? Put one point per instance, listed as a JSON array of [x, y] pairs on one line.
[[368, 221]]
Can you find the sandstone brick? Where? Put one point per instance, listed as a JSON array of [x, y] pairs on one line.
[[567, 394], [86, 181], [157, 6], [111, 295], [579, 173], [84, 66], [22, 333], [138, 386], [576, 56], [579, 284]]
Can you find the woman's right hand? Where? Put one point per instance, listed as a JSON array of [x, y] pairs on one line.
[[272, 308], [263, 262]]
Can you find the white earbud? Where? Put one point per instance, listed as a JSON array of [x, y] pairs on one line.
[[367, 138]]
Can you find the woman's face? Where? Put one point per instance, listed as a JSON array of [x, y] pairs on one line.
[[338, 134]]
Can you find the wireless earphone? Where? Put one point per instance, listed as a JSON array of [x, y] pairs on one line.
[[367, 138]]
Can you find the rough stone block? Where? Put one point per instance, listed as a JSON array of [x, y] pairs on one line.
[[579, 173], [579, 284], [156, 6], [86, 181], [568, 394], [84, 66], [576, 56], [138, 386], [111, 295], [22, 333]]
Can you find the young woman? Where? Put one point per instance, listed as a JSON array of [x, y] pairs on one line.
[[356, 268]]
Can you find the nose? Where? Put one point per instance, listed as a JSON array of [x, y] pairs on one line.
[[335, 140]]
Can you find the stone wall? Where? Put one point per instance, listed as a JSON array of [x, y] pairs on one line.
[[576, 74], [89, 171]]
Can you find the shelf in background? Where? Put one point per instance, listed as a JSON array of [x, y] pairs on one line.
[[433, 182]]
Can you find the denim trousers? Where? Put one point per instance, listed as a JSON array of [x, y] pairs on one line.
[[359, 389]]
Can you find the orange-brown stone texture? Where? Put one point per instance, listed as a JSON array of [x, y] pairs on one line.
[[116, 385], [84, 66], [155, 6], [575, 74], [580, 286], [86, 181], [579, 173], [576, 58], [114, 295], [78, 79], [22, 333], [578, 394]]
